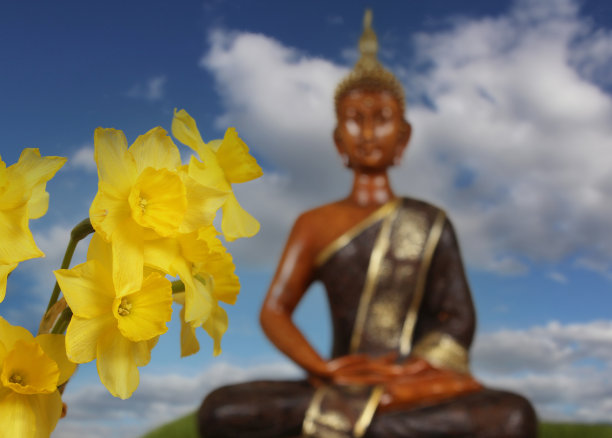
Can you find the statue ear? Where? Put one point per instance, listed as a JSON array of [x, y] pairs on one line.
[[404, 139], [406, 133], [338, 142], [340, 148]]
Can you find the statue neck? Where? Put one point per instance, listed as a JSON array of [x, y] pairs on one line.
[[371, 189]]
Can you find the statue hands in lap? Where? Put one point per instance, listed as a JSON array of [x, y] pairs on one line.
[[402, 313]]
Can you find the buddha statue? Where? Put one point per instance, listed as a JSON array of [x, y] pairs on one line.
[[402, 313]]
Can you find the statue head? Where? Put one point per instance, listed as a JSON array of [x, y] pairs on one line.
[[372, 132]]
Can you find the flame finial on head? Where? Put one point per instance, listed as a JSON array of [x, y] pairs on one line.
[[368, 72]]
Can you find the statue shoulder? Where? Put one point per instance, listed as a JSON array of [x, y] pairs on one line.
[[420, 205], [317, 227]]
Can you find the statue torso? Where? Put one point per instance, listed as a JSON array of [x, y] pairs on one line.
[[343, 269]]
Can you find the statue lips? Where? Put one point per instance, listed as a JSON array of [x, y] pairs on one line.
[[369, 152]]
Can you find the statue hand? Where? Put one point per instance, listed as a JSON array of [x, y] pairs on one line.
[[429, 386], [366, 370]]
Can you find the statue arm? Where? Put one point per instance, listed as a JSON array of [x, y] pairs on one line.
[[447, 320], [290, 282]]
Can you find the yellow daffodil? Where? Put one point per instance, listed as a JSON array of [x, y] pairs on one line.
[[216, 326], [216, 276], [204, 266], [31, 369], [144, 193], [22, 197], [119, 330], [223, 163]]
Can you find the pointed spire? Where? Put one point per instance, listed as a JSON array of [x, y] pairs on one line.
[[368, 71]]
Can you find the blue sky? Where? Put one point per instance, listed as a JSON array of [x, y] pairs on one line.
[[511, 103]]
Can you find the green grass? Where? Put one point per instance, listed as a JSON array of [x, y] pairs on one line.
[[185, 427], [570, 430]]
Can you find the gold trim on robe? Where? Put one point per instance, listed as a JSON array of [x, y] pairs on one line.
[[429, 247], [349, 235], [378, 252], [341, 411], [442, 351]]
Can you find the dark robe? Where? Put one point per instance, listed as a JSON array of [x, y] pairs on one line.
[[395, 283]]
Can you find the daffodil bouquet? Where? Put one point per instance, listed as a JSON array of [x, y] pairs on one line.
[[152, 218]]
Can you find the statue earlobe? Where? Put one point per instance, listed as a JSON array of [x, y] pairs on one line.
[[340, 148], [404, 139], [406, 133]]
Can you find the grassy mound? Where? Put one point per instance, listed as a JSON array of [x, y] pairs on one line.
[[185, 427], [571, 430]]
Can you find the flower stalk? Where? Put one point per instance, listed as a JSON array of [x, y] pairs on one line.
[[78, 233]]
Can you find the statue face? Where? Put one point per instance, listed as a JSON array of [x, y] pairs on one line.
[[371, 130]]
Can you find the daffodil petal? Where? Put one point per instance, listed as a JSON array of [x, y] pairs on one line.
[[209, 235], [88, 288], [116, 365], [116, 166], [236, 222], [234, 158], [208, 172], [108, 213], [9, 334], [194, 250], [2, 352], [142, 351], [128, 252], [161, 254], [5, 270], [216, 325], [202, 205], [16, 415], [83, 334], [47, 409], [149, 310], [184, 128], [155, 149], [198, 297], [101, 251], [215, 144], [29, 416], [227, 284], [39, 202], [54, 346], [17, 243], [189, 341], [36, 171]]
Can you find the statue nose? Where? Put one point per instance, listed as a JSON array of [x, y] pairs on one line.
[[368, 130]]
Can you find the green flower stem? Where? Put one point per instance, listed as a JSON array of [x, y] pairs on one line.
[[82, 230], [178, 286], [62, 322]]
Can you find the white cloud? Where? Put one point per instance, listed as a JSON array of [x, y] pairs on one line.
[[158, 399], [83, 158], [563, 369], [151, 90], [557, 277], [516, 109]]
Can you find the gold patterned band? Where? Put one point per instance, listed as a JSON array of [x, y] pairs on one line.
[[442, 351], [341, 411]]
